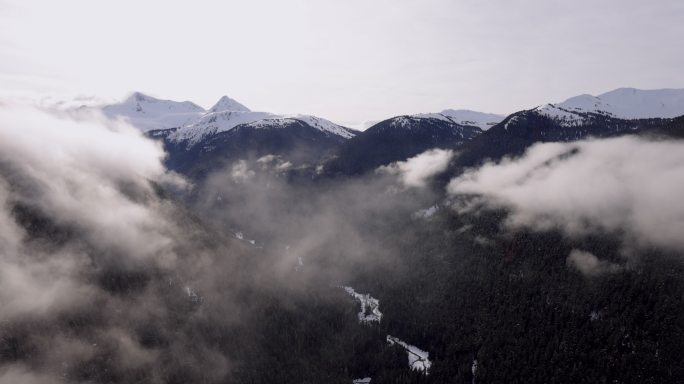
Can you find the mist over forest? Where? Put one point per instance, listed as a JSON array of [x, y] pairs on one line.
[[352, 192]]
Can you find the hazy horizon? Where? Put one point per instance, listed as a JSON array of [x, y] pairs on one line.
[[350, 62]]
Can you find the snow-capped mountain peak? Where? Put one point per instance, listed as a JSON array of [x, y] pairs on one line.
[[467, 117], [193, 123], [148, 113], [622, 103], [145, 103], [225, 103]]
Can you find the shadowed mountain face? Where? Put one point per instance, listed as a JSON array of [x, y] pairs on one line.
[[522, 129], [397, 139], [293, 140]]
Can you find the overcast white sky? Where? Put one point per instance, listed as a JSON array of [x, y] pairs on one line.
[[350, 60]]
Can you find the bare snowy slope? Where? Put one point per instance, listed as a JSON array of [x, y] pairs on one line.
[[622, 103], [482, 120], [148, 113], [216, 122], [225, 103]]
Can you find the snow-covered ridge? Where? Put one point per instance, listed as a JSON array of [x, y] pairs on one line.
[[482, 120], [622, 103], [405, 121], [215, 122], [324, 125], [411, 121], [193, 123], [148, 113]]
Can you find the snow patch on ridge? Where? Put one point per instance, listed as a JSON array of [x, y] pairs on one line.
[[213, 123], [482, 120], [622, 103], [324, 125], [149, 113]]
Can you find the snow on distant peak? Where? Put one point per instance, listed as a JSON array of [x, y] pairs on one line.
[[142, 101], [225, 103], [148, 113], [565, 117], [631, 103], [482, 120], [622, 103], [193, 123], [216, 122], [213, 123], [401, 121], [271, 122], [325, 125]]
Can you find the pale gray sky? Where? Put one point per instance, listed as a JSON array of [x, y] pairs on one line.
[[348, 61]]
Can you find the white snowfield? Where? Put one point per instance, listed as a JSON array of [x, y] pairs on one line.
[[324, 125], [623, 103], [194, 123], [215, 122], [482, 120], [370, 307], [409, 122], [417, 358]]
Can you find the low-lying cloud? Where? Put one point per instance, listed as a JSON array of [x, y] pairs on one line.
[[588, 264], [624, 185], [85, 234], [90, 175], [416, 171], [112, 280]]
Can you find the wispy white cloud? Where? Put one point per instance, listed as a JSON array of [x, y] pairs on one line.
[[624, 184], [416, 171], [588, 264]]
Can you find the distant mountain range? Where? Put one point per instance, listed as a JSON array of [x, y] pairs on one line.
[[200, 140]]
